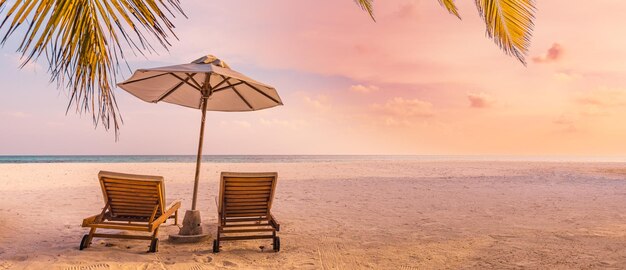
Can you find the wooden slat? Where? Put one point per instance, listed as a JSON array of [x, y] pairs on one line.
[[132, 213], [247, 207], [249, 184], [246, 225], [253, 213], [126, 207], [128, 218], [132, 199], [248, 179], [129, 227], [136, 194], [132, 192], [246, 192], [133, 206], [244, 215], [132, 189], [247, 237], [250, 196], [246, 200], [130, 210], [132, 183], [235, 205], [118, 209], [123, 236], [122, 209], [116, 205], [264, 188], [244, 211], [124, 202], [142, 204], [248, 230], [245, 219]]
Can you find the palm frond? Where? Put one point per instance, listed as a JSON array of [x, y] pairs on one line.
[[509, 23], [450, 6], [84, 42], [367, 5]]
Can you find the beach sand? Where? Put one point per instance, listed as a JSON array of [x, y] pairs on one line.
[[341, 215]]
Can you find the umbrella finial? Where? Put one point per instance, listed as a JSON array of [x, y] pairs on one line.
[[211, 59]]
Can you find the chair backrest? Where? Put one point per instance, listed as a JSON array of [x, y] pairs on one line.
[[246, 194], [133, 195]]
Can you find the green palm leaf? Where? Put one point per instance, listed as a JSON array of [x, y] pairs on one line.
[[509, 23], [83, 42]]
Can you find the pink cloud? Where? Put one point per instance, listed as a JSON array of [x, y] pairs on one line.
[[603, 97], [405, 108], [565, 124], [601, 102], [406, 11], [320, 103], [359, 88], [480, 100], [554, 54]]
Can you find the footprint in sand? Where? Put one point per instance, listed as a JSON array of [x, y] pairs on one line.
[[199, 267], [99, 266], [5, 265], [229, 264], [307, 265]]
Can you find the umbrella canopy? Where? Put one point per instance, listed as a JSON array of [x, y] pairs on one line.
[[207, 84], [186, 85]]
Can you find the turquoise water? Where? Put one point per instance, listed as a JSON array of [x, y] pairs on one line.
[[289, 158]]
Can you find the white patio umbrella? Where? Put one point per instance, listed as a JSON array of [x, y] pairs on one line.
[[207, 84]]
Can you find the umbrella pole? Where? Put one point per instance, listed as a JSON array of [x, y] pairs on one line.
[[191, 231], [199, 157]]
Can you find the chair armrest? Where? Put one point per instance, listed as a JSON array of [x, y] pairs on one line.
[[173, 207], [90, 220], [164, 216]]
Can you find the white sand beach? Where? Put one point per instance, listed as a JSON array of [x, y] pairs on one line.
[[341, 215]]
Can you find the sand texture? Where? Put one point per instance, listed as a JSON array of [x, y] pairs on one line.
[[341, 215]]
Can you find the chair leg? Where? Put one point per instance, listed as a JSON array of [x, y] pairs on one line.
[[216, 241], [154, 243], [176, 217], [90, 237]]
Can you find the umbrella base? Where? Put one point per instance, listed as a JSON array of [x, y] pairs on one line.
[[177, 238], [191, 232]]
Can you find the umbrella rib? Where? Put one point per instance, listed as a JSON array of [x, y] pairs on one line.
[[194, 80], [261, 92], [222, 82], [226, 87], [240, 96], [146, 78], [185, 81], [169, 92]]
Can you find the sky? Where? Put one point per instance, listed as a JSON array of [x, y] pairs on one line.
[[416, 81]]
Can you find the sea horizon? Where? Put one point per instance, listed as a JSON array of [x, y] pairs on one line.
[[19, 159]]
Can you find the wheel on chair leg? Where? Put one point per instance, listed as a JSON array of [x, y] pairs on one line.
[[84, 242], [154, 245], [277, 244], [216, 246]]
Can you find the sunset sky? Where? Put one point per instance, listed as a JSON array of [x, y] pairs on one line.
[[417, 81]]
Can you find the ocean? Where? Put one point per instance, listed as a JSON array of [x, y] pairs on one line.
[[289, 158]]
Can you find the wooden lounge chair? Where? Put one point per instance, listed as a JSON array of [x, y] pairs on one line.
[[132, 203], [244, 206]]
